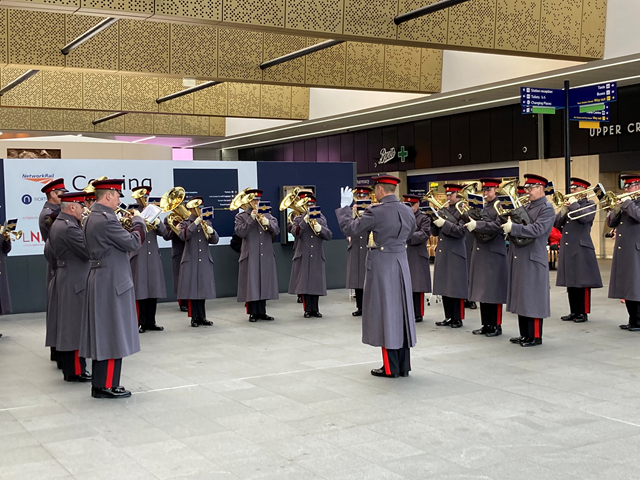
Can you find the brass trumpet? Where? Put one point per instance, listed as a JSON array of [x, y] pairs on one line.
[[16, 233], [171, 202]]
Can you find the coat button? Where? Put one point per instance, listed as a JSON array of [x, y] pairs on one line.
[[199, 249], [440, 250], [199, 259], [619, 234], [311, 245], [149, 253], [619, 248], [149, 241], [566, 243], [360, 238], [381, 248], [311, 256], [360, 248], [514, 257], [262, 255], [477, 248]]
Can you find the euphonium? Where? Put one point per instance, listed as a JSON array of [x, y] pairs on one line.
[[518, 214], [438, 207], [171, 202], [469, 189], [243, 200], [295, 203]]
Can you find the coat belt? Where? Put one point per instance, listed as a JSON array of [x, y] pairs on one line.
[[96, 263], [394, 249]]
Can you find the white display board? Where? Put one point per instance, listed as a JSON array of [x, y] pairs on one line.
[[23, 179]]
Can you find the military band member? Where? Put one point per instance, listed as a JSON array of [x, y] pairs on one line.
[[5, 297], [197, 282], [418, 255], [148, 274], [450, 277], [89, 199], [387, 310], [357, 256], [68, 286], [625, 266], [528, 285], [489, 269], [577, 265], [257, 274], [177, 248], [469, 239], [307, 270], [109, 326]]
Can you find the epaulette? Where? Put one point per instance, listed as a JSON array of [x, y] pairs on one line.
[[375, 204]]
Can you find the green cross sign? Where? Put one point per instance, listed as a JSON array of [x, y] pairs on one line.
[[403, 154]]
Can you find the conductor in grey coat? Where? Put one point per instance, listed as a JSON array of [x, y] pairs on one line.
[[577, 264], [625, 266], [48, 214], [146, 267], [257, 274], [307, 269], [387, 308], [528, 287], [66, 245], [489, 269], [450, 277], [418, 255], [109, 326]]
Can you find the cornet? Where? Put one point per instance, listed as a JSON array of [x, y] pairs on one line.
[[124, 218]]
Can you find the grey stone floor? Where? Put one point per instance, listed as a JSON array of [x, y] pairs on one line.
[[294, 399]]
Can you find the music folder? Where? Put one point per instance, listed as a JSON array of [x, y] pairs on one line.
[[151, 212], [11, 225]]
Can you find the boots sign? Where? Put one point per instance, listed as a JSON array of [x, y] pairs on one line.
[[387, 156]]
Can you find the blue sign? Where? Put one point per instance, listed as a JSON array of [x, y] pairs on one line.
[[541, 97], [598, 116], [603, 93]]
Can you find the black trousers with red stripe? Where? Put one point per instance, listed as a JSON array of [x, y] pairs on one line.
[[453, 308], [72, 364], [530, 327], [491, 314], [147, 311], [257, 307], [196, 309], [397, 361], [418, 304], [634, 312], [359, 293], [579, 300], [182, 303], [310, 303], [106, 373]]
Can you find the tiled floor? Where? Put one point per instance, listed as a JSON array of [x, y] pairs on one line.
[[293, 399]]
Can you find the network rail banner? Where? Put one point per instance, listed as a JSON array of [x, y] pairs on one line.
[[23, 179]]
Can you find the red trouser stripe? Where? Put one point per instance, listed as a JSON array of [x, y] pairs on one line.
[[462, 309], [138, 311], [499, 319], [189, 308], [304, 303], [110, 367], [76, 363], [536, 328], [246, 306], [422, 304], [587, 300], [385, 361]]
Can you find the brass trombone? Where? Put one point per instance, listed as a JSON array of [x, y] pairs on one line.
[[171, 202], [559, 199], [609, 202]]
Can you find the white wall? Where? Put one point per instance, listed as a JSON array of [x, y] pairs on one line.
[[623, 28]]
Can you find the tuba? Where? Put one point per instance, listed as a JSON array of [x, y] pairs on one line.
[[171, 202], [518, 214], [295, 203], [439, 208], [243, 200]]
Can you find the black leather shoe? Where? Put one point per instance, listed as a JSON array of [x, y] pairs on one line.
[[419, 319], [82, 378], [471, 305], [404, 374], [184, 308], [141, 329], [625, 327], [116, 392], [495, 331], [581, 318], [316, 314], [195, 322], [307, 314], [0, 335], [253, 318], [516, 339], [299, 299], [266, 317], [456, 323], [379, 372], [634, 328], [154, 327], [568, 318], [445, 323], [531, 342], [205, 322], [357, 313], [482, 331]]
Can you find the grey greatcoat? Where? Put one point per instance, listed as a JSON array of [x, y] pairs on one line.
[[68, 286], [110, 324], [419, 255], [45, 222], [307, 269], [197, 281], [5, 297], [177, 248], [489, 269], [146, 267], [387, 302], [356, 259], [450, 276], [577, 264], [51, 318], [625, 266], [257, 274], [528, 287]]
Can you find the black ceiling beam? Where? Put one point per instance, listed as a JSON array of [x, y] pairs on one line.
[[421, 12], [92, 32], [300, 53], [187, 91], [108, 117], [14, 83]]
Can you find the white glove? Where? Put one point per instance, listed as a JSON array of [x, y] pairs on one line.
[[264, 221], [136, 213], [317, 227], [627, 199], [439, 222], [507, 226], [2, 229], [253, 214], [209, 230], [346, 197], [571, 200], [471, 226], [198, 220], [306, 218], [156, 222]]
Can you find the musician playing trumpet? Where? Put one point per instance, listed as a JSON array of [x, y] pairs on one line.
[[257, 274], [577, 265]]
